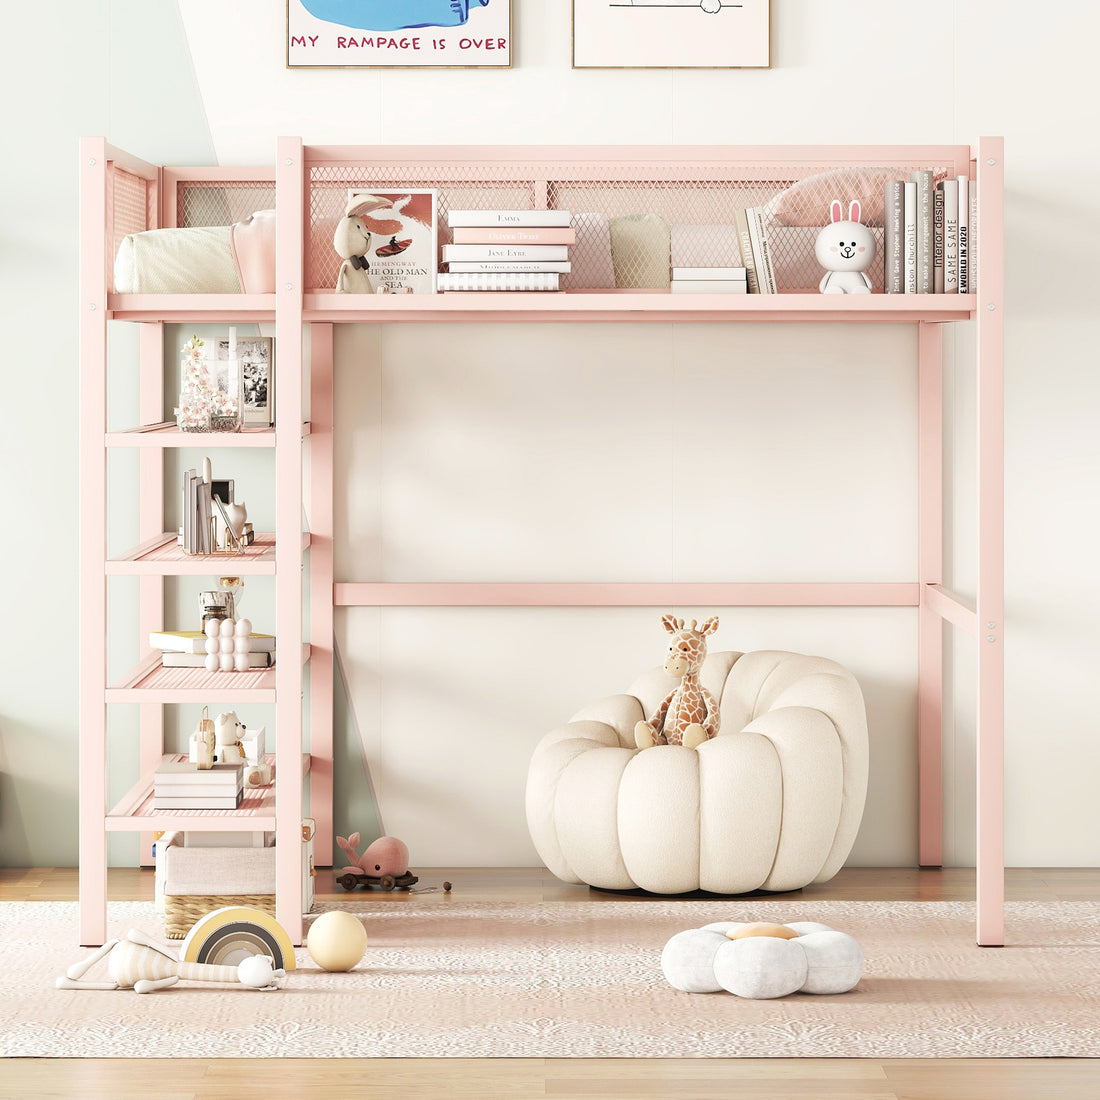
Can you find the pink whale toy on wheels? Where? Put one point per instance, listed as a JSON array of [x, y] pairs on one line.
[[385, 856]]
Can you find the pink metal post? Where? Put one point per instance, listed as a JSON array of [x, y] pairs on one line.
[[93, 550], [991, 469], [150, 525], [290, 200], [930, 625], [320, 598]]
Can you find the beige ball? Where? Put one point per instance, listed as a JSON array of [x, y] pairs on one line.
[[336, 941]]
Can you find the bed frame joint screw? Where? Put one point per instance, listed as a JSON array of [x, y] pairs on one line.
[[91, 161], [91, 306], [991, 307], [288, 161], [991, 638], [290, 286], [991, 160], [991, 626]]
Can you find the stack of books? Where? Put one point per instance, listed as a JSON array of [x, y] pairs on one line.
[[187, 648], [928, 234], [756, 253], [507, 249], [178, 785], [710, 280]]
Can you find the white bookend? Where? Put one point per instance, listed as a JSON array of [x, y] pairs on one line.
[[950, 191], [910, 237], [964, 235], [491, 219], [923, 180]]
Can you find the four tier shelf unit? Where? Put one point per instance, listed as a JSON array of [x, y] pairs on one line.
[[308, 185]]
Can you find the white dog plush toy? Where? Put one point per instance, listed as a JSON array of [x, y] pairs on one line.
[[352, 243], [846, 249]]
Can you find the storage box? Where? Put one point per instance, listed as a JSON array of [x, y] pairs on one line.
[[191, 881]]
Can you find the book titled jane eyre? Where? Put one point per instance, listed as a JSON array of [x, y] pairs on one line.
[[404, 247]]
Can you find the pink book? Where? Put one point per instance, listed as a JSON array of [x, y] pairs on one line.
[[515, 235]]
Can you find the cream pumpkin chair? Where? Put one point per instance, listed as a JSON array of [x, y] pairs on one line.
[[773, 802]]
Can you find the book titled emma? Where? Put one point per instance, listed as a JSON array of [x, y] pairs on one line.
[[404, 247]]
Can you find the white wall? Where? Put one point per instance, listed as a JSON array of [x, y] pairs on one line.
[[545, 450]]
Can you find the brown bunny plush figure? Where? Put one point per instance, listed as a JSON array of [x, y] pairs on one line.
[[689, 715]]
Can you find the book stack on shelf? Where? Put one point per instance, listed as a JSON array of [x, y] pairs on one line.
[[178, 785], [201, 501], [756, 252], [507, 250], [709, 280], [187, 648], [928, 234]]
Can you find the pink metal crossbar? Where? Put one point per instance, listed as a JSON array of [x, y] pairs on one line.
[[121, 194]]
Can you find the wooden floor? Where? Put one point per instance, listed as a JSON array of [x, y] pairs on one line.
[[570, 1079]]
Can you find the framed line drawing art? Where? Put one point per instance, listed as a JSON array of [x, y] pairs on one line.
[[398, 34], [671, 34]]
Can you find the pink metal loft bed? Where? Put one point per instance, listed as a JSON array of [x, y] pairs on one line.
[[121, 195]]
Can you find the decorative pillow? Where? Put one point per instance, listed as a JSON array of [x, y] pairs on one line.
[[640, 250], [759, 964], [807, 202]]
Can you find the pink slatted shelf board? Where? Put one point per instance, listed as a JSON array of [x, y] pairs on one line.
[[134, 812], [168, 435], [151, 682], [225, 308], [644, 305], [163, 557]]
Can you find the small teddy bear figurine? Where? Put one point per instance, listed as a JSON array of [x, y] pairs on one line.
[[352, 243], [846, 249], [689, 716], [228, 731]]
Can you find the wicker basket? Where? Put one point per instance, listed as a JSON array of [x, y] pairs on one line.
[[181, 912]]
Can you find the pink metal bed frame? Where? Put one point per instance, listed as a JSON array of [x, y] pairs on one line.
[[122, 194]]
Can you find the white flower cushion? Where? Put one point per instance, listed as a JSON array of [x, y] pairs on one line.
[[773, 802], [818, 960]]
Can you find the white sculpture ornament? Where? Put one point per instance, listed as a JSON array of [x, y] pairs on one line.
[[846, 249], [137, 963]]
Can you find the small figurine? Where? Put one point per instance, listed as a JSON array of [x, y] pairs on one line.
[[352, 243], [137, 963], [689, 716], [201, 747], [385, 863], [846, 249], [228, 731]]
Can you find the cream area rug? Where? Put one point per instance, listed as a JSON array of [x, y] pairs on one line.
[[557, 980]]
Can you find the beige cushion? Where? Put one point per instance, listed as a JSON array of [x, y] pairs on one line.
[[773, 802]]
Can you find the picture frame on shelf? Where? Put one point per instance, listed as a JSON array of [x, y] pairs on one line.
[[257, 357], [671, 34], [398, 34], [404, 246]]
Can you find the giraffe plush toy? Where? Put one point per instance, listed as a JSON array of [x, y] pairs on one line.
[[690, 715]]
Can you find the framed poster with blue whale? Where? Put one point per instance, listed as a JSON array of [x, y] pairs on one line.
[[398, 34]]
